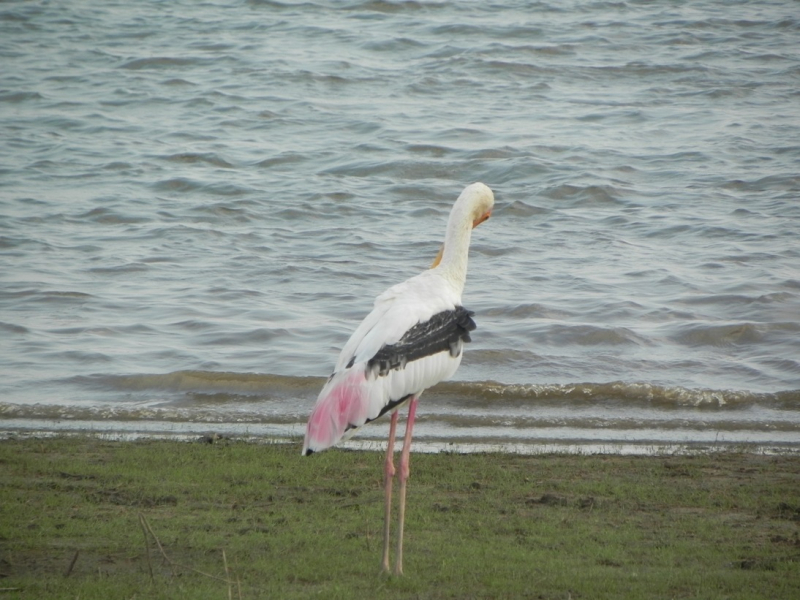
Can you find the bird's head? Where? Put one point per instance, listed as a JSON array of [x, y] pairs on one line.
[[481, 201], [478, 199]]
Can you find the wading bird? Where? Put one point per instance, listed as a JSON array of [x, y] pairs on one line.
[[412, 339]]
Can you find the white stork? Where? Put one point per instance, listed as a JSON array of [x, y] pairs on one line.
[[412, 339]]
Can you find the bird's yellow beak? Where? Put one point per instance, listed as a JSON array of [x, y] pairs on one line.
[[481, 219]]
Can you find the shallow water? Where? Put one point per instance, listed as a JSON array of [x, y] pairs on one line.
[[198, 203]]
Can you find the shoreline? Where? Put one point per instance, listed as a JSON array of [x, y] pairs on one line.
[[287, 434], [544, 440]]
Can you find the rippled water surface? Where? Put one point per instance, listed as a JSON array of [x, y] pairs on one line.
[[199, 201]]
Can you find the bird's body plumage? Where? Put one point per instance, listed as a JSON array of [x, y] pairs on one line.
[[412, 339], [359, 390]]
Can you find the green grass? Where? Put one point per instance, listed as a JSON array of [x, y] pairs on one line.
[[724, 525]]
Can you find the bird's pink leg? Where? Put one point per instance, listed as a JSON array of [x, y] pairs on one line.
[[388, 475], [405, 471]]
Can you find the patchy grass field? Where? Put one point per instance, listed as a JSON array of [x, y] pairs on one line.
[[86, 518]]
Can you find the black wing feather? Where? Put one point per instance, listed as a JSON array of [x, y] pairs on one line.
[[444, 331]]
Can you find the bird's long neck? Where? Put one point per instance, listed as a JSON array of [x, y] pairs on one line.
[[456, 248]]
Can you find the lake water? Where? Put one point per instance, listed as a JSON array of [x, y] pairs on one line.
[[199, 202]]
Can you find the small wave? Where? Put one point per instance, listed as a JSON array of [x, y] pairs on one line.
[[629, 393], [186, 185], [526, 311], [106, 216], [11, 328], [715, 299], [284, 158], [769, 183], [586, 195], [721, 335], [431, 150], [17, 97], [402, 169], [47, 296], [205, 381], [80, 357], [104, 331], [256, 337], [117, 165], [392, 45], [566, 49], [177, 81], [383, 6], [198, 157], [177, 184], [106, 415], [519, 208], [124, 269], [590, 335], [161, 62]]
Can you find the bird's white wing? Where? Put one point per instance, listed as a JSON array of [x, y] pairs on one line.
[[396, 311]]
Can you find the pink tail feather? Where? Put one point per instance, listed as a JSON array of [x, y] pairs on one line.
[[341, 405]]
